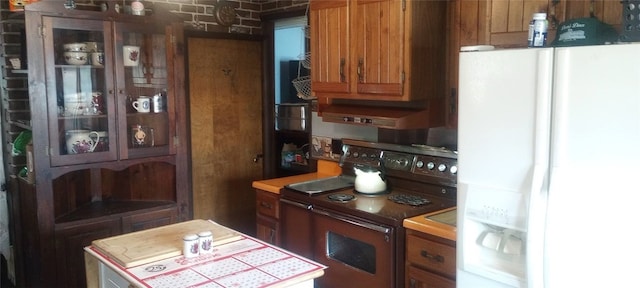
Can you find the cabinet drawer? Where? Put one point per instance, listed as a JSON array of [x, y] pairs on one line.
[[431, 255], [418, 278], [267, 204], [148, 220]]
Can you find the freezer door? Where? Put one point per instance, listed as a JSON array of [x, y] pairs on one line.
[[592, 204], [503, 146]]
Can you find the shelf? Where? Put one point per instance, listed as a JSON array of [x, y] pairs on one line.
[[99, 209], [76, 117], [24, 124]]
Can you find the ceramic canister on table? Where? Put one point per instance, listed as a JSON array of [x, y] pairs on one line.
[[206, 242], [191, 245]]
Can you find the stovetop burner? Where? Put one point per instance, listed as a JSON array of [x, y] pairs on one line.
[[340, 197], [407, 199]]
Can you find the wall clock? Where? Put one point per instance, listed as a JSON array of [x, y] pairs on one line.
[[225, 13]]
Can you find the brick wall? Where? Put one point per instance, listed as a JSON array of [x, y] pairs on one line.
[[199, 14]]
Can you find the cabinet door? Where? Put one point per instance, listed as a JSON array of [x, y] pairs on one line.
[[70, 242], [79, 90], [330, 62], [267, 230], [144, 90], [378, 28]]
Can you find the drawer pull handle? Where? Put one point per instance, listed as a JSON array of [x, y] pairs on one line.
[[436, 258], [265, 205]]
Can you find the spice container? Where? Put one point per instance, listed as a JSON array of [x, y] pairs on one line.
[[191, 245], [205, 239]]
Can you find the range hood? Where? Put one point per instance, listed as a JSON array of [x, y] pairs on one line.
[[385, 117]]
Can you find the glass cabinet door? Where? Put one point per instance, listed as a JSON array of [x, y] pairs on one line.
[[143, 73], [79, 91]]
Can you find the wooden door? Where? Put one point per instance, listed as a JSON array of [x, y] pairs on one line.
[[329, 24], [379, 29], [225, 96]]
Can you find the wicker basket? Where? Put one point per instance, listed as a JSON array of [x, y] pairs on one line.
[[303, 86], [305, 60]]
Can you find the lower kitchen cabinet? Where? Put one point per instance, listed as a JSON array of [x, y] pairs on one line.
[[70, 239], [431, 261], [418, 278], [70, 243], [267, 217]]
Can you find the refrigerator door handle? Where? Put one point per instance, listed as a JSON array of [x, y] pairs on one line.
[[539, 180]]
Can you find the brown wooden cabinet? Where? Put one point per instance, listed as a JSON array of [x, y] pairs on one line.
[[504, 24], [102, 167], [330, 36], [390, 50], [431, 261], [268, 216]]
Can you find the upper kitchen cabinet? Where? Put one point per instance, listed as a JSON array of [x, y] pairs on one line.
[[329, 25], [390, 50], [108, 115], [505, 24]]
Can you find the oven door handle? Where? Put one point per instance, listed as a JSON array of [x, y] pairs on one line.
[[370, 226], [297, 204]]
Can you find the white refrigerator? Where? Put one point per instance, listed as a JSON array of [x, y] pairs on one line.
[[548, 157]]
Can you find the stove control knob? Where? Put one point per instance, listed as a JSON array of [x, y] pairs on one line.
[[364, 155], [355, 154], [431, 165], [442, 167], [453, 169], [419, 164]]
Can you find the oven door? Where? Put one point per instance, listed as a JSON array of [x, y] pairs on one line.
[[358, 253]]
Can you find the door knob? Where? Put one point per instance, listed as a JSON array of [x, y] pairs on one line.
[[257, 158]]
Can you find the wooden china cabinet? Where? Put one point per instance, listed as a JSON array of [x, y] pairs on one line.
[[102, 168], [389, 50]]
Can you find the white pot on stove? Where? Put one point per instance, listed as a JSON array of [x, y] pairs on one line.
[[369, 182]]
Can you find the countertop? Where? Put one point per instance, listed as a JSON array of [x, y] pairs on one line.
[[325, 169], [437, 223]]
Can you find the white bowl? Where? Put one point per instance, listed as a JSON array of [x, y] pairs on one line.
[[75, 47], [76, 58]]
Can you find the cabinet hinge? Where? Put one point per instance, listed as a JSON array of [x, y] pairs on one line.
[[173, 39], [41, 28], [176, 141], [48, 150]]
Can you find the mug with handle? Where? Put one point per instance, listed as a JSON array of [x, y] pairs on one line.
[[142, 104]]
